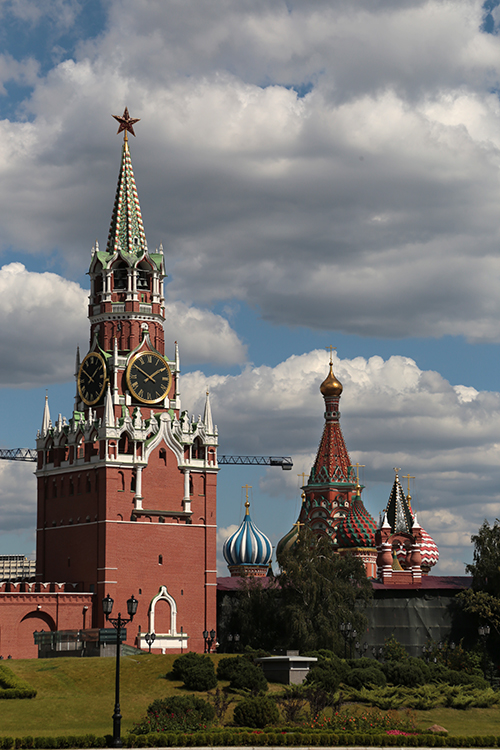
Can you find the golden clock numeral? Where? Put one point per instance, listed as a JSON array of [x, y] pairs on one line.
[[148, 396], [164, 377], [141, 393], [149, 359]]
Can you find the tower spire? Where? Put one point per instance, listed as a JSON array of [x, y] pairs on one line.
[[126, 231], [332, 460]]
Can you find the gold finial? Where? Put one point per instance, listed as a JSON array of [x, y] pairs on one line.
[[408, 477], [358, 467], [358, 486], [303, 497], [247, 487], [331, 349], [126, 123], [298, 524], [396, 469], [303, 475]]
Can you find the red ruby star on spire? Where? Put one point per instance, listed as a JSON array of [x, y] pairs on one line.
[[126, 122]]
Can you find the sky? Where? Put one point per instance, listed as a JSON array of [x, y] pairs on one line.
[[320, 173]]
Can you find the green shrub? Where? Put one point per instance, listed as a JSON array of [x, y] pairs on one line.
[[227, 666], [258, 712], [408, 673], [394, 651], [250, 678], [179, 712], [359, 678], [12, 686], [323, 676], [242, 674], [186, 661], [200, 677]]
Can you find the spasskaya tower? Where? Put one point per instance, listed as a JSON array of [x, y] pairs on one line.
[[127, 485]]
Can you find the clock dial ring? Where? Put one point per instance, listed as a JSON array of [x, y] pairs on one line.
[[92, 378], [148, 377]]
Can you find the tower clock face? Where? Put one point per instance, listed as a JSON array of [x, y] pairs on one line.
[[92, 378], [148, 377]]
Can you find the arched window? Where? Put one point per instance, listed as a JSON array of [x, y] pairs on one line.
[[120, 277], [198, 449], [121, 482], [125, 446], [163, 455], [143, 280]]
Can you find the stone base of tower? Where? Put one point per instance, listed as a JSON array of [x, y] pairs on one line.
[[400, 577]]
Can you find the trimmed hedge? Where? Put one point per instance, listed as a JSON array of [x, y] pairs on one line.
[[11, 686], [251, 737]]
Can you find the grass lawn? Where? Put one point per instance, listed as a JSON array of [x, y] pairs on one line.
[[76, 696]]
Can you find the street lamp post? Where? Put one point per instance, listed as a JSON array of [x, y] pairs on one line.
[[150, 639], [209, 638], [345, 628], [484, 631], [118, 623]]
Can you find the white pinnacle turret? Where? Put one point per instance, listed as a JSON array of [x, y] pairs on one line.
[[109, 412], [207, 416], [46, 423]]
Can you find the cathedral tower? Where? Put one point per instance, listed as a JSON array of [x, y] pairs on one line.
[[127, 486], [332, 480]]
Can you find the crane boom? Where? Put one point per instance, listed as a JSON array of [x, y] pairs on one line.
[[286, 463]]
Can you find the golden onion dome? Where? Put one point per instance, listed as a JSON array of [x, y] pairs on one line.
[[331, 386]]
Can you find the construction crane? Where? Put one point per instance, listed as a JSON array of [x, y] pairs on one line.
[[286, 463]]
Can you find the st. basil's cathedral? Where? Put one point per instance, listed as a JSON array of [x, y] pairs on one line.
[[126, 487], [397, 552]]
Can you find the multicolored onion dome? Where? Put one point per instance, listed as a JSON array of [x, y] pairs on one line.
[[428, 550], [358, 527], [288, 541], [331, 386], [248, 545]]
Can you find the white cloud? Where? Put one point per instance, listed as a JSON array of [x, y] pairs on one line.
[[44, 318], [17, 502], [222, 534], [369, 205], [202, 335], [393, 414]]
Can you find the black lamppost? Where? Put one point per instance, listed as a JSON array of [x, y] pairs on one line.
[[150, 639], [345, 628], [118, 623], [484, 631], [361, 649], [209, 639]]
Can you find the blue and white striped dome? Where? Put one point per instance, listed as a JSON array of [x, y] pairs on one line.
[[248, 545]]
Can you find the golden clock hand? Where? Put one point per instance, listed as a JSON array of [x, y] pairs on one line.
[[149, 377], [89, 376], [162, 369]]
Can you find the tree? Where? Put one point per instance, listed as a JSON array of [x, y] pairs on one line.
[[319, 590], [304, 606], [485, 569], [481, 603]]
